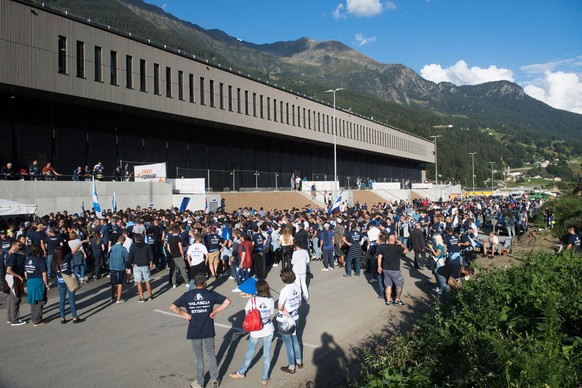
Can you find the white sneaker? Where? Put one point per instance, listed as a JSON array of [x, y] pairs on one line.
[[18, 323], [325, 269], [275, 265], [194, 384], [236, 290], [174, 286], [230, 278], [120, 301], [186, 285]]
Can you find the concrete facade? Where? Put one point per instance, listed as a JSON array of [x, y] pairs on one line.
[[70, 196]]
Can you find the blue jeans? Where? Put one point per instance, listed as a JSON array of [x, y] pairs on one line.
[[208, 345], [328, 258], [253, 342], [316, 248], [293, 348], [442, 283], [356, 259], [63, 290], [49, 260], [80, 271]]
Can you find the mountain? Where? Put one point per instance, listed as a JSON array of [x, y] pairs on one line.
[[505, 125]]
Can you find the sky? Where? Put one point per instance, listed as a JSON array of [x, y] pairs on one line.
[[536, 44]]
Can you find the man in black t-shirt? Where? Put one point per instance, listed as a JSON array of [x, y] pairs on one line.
[[213, 244], [197, 306], [452, 249], [389, 256], [14, 278], [452, 274], [177, 256], [574, 242], [53, 240], [258, 242]]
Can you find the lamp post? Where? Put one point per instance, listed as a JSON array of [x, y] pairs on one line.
[[436, 159], [334, 142], [491, 163], [473, 169]]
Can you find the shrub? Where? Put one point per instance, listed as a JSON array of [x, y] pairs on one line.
[[516, 327]]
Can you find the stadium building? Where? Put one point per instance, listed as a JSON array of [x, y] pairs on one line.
[[74, 92]]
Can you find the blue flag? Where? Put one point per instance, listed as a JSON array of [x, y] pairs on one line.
[[336, 204], [184, 204], [96, 205]]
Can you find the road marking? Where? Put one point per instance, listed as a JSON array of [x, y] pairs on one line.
[[228, 327]]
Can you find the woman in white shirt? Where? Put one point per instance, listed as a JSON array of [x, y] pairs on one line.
[[299, 262], [288, 304], [266, 305]]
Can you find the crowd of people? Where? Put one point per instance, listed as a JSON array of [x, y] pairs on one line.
[[35, 172], [127, 246]]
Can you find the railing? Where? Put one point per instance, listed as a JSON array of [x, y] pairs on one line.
[[238, 180]]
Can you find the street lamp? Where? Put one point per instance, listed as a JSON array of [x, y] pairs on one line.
[[436, 159], [491, 163], [334, 142], [473, 163]]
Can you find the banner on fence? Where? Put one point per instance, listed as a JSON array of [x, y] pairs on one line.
[[150, 172]]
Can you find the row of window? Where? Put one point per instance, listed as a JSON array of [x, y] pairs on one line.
[[252, 104]]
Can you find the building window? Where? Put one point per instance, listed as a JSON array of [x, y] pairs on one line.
[[229, 98], [221, 95], [80, 59], [319, 122], [180, 85], [142, 75], [98, 63], [156, 79], [202, 102], [113, 67], [292, 114], [254, 104], [129, 71], [287, 112], [238, 106], [191, 86], [168, 82], [62, 42], [281, 110], [261, 106], [274, 109], [268, 108], [246, 102], [304, 120], [309, 118], [211, 93]]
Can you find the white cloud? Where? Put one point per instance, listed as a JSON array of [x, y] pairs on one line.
[[461, 74], [362, 8], [559, 89], [360, 39]]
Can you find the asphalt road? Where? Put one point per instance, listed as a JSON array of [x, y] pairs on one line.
[[144, 345]]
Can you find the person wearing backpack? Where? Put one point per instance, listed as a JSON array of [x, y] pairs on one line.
[[265, 304]]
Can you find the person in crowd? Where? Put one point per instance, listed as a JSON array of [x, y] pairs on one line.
[[53, 240], [8, 173], [49, 172], [37, 284], [14, 282], [438, 251], [196, 256], [299, 262], [266, 306], [197, 306], [338, 238], [389, 265], [245, 253], [326, 242], [34, 170], [62, 264], [98, 171], [453, 273], [140, 256], [352, 240], [176, 252], [258, 241], [118, 256], [214, 244], [418, 243], [80, 256], [288, 304], [492, 245], [574, 241], [98, 249], [287, 242]]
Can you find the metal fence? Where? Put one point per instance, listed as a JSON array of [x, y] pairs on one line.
[[351, 182], [238, 180]]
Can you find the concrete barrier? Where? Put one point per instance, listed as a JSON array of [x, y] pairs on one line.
[[70, 196]]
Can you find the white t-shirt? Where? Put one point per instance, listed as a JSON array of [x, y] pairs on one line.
[[127, 243], [290, 298], [299, 261], [266, 306], [197, 253], [373, 234]]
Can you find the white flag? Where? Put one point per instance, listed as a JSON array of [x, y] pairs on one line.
[[96, 205]]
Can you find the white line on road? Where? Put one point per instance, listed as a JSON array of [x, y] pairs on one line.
[[228, 327]]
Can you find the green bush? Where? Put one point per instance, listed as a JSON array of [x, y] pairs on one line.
[[568, 210], [517, 327]]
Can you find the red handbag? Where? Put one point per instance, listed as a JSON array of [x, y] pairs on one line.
[[253, 320]]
